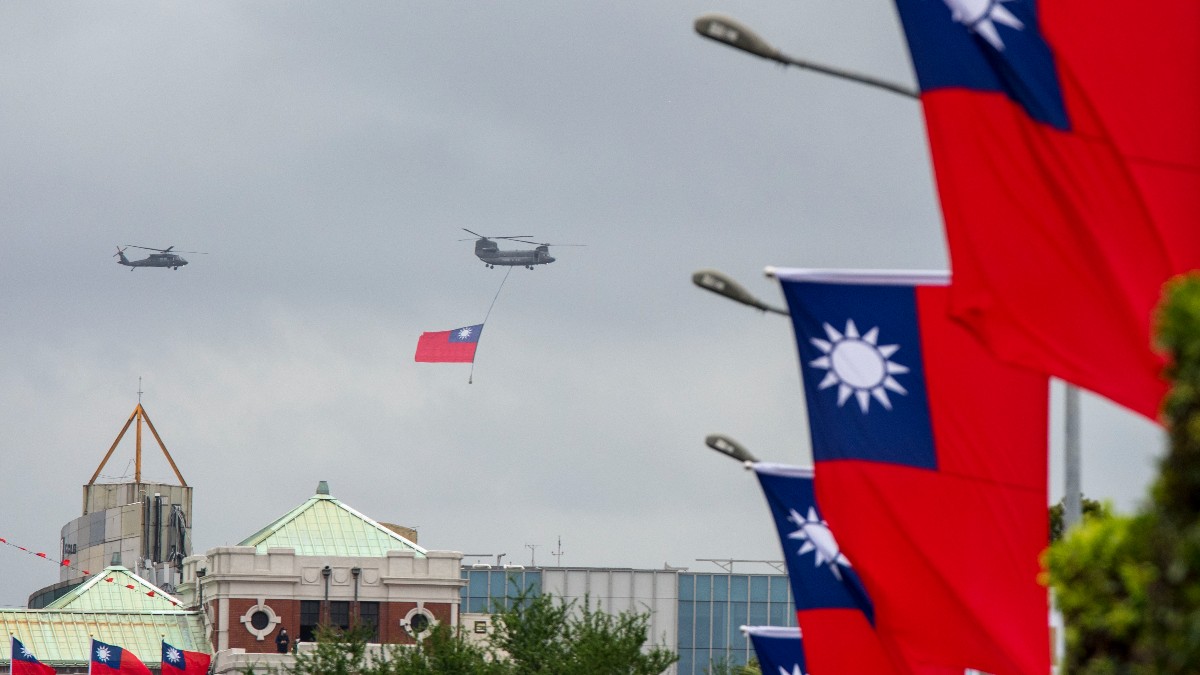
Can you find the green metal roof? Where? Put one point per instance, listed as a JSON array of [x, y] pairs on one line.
[[63, 637], [323, 526], [116, 589]]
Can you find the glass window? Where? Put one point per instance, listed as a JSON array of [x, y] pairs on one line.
[[738, 588], [310, 616], [779, 614], [720, 625], [739, 613], [477, 605], [703, 625], [685, 662], [499, 581], [758, 588], [477, 584], [687, 587], [533, 581], [687, 620], [758, 614], [737, 640], [704, 587], [779, 589], [339, 614], [368, 615], [720, 588]]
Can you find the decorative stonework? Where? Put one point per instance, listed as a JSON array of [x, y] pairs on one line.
[[260, 620], [418, 621]]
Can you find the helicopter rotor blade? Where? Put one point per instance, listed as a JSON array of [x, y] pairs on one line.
[[546, 243], [168, 249]]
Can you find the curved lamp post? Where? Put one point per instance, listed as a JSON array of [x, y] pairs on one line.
[[721, 284], [730, 448], [731, 32]]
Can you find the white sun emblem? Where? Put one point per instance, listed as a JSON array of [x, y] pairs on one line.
[[981, 17], [794, 671], [464, 333], [102, 654], [173, 655], [816, 537], [859, 365], [25, 652]]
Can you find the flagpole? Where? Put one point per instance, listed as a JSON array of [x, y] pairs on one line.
[[1072, 461]]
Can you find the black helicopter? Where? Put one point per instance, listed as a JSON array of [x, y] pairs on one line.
[[487, 250], [162, 257]]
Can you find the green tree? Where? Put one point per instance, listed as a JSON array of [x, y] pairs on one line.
[[543, 635], [1091, 508], [1129, 587]]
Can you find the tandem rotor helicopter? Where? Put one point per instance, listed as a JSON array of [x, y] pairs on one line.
[[162, 257], [487, 250]]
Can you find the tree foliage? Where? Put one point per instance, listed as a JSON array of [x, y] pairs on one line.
[[1129, 587]]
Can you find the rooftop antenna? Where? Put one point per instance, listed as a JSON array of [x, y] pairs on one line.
[[139, 413], [532, 554], [558, 553]]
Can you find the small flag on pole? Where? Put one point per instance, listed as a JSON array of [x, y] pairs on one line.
[[449, 346], [112, 660], [24, 663], [177, 661], [777, 648]]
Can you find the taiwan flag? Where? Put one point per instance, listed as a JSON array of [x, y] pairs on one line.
[[930, 464], [24, 663], [181, 662], [449, 346], [112, 660], [778, 650], [1066, 149], [832, 607]]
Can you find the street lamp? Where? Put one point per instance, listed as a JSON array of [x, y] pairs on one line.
[[731, 32], [719, 283], [730, 448]]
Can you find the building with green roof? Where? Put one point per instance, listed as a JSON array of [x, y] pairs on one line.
[[322, 563], [115, 606]]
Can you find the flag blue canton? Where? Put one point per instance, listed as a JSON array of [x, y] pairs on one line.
[[778, 649], [105, 653], [854, 412], [820, 576], [20, 653], [990, 46], [466, 333]]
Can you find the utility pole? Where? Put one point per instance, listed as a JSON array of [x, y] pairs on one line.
[[532, 554]]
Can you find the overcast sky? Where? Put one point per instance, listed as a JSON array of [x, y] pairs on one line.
[[325, 156]]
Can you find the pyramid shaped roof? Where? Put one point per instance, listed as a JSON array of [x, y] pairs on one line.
[[116, 589], [324, 526]]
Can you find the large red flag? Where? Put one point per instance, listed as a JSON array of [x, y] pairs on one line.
[[1066, 148], [449, 346], [930, 468]]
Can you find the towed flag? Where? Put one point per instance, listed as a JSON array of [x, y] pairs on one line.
[[449, 346]]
